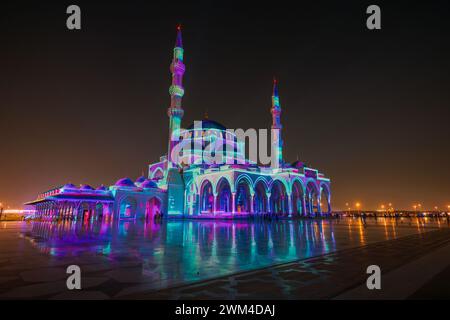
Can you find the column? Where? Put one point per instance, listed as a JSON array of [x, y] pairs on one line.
[[215, 203], [59, 208], [289, 196], [302, 203], [319, 207], [233, 203], [252, 209], [268, 202], [52, 213]]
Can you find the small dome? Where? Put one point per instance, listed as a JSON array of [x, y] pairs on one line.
[[86, 187], [125, 182], [298, 164], [140, 179], [148, 184], [69, 186], [102, 188]]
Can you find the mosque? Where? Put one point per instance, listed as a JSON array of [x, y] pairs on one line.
[[189, 186]]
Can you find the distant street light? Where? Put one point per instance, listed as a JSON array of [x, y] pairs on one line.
[[383, 209]]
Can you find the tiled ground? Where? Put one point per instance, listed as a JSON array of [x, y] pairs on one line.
[[138, 262], [321, 277]]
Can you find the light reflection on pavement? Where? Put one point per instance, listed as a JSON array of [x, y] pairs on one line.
[[117, 256]]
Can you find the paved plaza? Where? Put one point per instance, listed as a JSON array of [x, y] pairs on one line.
[[302, 259]]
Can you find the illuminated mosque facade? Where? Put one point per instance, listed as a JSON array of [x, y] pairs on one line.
[[188, 187]]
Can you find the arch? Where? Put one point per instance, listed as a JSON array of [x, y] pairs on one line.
[[153, 208], [243, 197], [206, 197], [260, 198], [325, 202], [298, 198], [239, 180], [127, 208], [312, 198], [278, 198], [311, 184], [227, 179], [283, 182], [262, 180], [299, 181], [224, 198]]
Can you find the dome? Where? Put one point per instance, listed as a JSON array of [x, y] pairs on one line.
[[209, 124], [86, 187], [102, 188], [148, 184], [125, 182], [140, 179], [69, 186], [297, 164]]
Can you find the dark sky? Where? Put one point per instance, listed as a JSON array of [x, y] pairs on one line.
[[370, 109]]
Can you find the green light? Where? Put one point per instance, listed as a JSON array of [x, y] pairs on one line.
[[176, 90], [276, 101], [178, 53]]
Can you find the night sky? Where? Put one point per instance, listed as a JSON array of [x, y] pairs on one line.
[[370, 109]]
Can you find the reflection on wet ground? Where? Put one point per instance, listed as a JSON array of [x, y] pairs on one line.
[[157, 255]]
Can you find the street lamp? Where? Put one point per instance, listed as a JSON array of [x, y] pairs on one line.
[[357, 206]]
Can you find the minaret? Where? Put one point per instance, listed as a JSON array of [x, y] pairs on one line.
[[176, 91], [277, 142]]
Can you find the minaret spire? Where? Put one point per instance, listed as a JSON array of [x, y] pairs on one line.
[[179, 40], [277, 142], [176, 91]]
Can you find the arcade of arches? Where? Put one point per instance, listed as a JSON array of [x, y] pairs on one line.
[[98, 210], [260, 199]]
